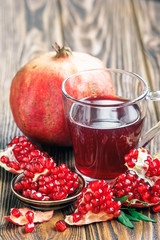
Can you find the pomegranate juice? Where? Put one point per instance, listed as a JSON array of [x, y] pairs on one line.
[[102, 136]]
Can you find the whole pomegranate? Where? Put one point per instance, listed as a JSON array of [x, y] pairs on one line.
[[36, 98]]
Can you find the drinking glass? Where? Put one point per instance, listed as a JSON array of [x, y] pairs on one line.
[[105, 125]]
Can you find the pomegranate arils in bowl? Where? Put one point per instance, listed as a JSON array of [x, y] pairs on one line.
[[95, 204], [48, 192], [48, 186]]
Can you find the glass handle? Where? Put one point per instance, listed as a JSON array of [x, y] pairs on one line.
[[148, 136], [154, 131], [153, 96]]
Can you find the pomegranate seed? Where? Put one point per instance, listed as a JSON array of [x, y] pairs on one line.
[[55, 170], [61, 175], [50, 163], [65, 188], [4, 159], [82, 209], [88, 206], [28, 174], [88, 196], [29, 227], [117, 213], [22, 138], [103, 207], [24, 144], [96, 209], [44, 189], [26, 193], [71, 190], [15, 212], [155, 199], [60, 195], [36, 195], [75, 184], [30, 216], [76, 217], [61, 226], [156, 208], [24, 151], [34, 185], [35, 153], [18, 186], [95, 201], [45, 198], [38, 168], [26, 159], [13, 165], [22, 165], [15, 140], [17, 149]]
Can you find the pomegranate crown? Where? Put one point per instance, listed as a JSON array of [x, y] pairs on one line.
[[62, 51]]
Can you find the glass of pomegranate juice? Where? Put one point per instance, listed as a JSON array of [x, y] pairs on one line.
[[105, 110]]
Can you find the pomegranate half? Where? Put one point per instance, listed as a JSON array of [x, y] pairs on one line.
[[35, 94], [142, 179]]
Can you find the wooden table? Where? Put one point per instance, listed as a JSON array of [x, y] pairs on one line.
[[124, 34]]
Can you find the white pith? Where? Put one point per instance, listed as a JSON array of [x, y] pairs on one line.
[[8, 152], [141, 167]]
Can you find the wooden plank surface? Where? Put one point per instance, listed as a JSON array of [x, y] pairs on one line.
[[124, 34], [147, 19]]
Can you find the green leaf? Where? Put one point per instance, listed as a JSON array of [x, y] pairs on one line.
[[140, 216], [122, 199], [124, 220], [136, 200], [132, 218]]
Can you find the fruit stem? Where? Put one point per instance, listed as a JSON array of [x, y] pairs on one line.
[[62, 52]]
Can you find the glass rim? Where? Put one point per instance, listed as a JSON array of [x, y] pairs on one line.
[[82, 102]]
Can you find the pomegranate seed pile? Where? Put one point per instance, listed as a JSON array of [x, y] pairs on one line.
[[19, 152], [56, 184], [142, 180], [130, 184], [95, 204], [42, 179]]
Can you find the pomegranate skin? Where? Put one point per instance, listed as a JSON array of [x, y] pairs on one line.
[[36, 98]]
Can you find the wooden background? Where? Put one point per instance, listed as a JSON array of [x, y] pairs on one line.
[[124, 34]]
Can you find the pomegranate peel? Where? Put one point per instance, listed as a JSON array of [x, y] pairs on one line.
[[89, 218], [22, 219]]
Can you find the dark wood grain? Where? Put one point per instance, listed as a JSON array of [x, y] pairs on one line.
[[124, 34]]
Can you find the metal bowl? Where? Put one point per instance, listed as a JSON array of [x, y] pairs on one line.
[[48, 205]]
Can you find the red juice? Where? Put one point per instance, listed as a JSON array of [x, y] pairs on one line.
[[102, 136]]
